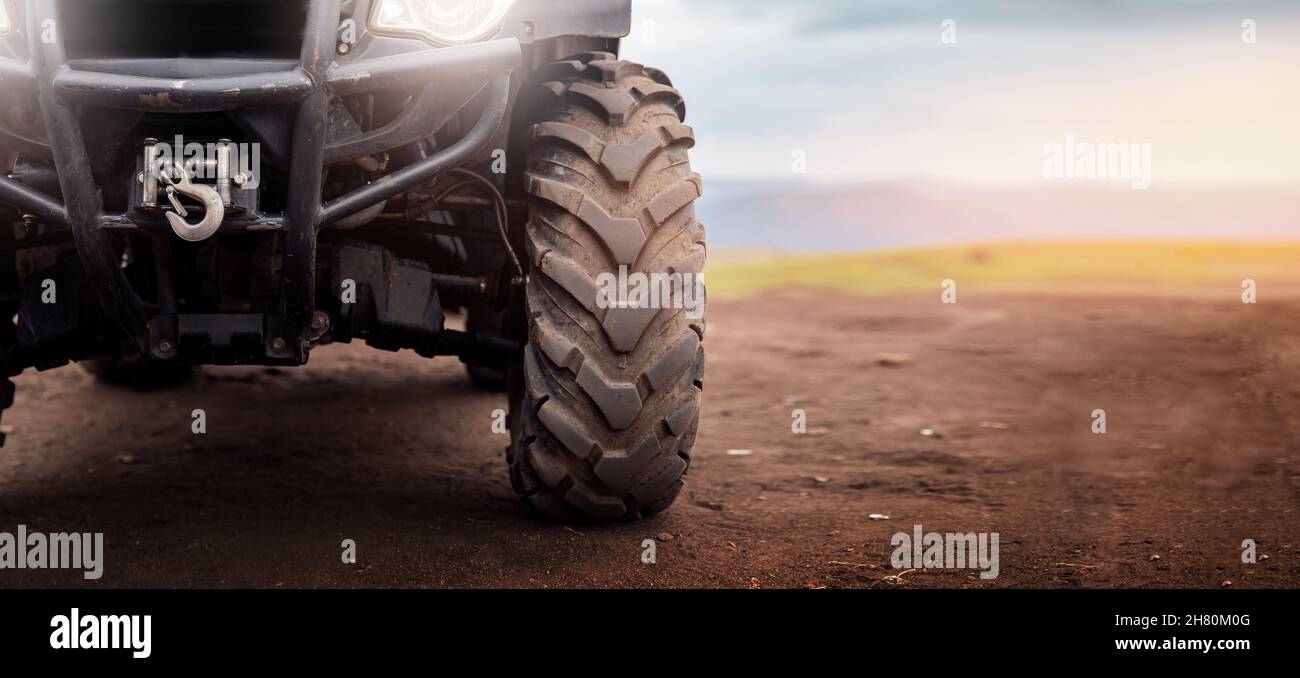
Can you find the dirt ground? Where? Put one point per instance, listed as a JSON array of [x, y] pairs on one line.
[[398, 454]]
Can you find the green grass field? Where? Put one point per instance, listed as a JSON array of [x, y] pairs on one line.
[[1089, 267]]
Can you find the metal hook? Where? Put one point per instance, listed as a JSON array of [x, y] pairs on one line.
[[178, 181]]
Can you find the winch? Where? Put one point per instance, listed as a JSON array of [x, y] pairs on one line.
[[174, 170]]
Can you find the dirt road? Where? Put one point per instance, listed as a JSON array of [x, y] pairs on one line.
[[398, 454]]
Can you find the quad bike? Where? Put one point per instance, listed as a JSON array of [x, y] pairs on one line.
[[194, 182]]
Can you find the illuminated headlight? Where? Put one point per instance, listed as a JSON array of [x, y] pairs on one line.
[[442, 22], [5, 26]]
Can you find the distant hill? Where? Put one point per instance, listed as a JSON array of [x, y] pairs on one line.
[[810, 218]]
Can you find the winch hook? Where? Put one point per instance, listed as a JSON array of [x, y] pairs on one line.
[[177, 180]]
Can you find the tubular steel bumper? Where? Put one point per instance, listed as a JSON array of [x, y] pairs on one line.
[[309, 85]]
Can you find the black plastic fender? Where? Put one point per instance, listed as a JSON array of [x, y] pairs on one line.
[[531, 20]]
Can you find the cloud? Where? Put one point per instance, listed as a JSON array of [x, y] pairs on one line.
[[833, 16], [877, 101]]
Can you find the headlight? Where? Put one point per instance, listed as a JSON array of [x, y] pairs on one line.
[[445, 22], [5, 26]]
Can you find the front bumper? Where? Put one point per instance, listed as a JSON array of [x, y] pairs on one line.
[[308, 87]]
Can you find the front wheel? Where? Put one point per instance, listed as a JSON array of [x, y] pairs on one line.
[[605, 405]]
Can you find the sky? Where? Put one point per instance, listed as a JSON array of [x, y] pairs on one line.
[[868, 90]]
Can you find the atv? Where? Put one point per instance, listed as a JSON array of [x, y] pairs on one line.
[[220, 182]]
